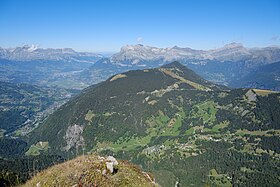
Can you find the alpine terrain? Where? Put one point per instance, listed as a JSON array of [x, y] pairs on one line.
[[185, 130]]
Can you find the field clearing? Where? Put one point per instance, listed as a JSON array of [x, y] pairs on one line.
[[264, 92], [217, 128], [37, 148], [221, 180], [158, 126], [207, 111], [268, 133]]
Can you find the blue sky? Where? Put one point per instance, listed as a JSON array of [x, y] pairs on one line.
[[106, 25]]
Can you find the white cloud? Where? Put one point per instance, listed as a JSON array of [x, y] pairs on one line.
[[139, 39]]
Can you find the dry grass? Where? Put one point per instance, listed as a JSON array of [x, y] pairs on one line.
[[87, 171], [89, 116], [118, 76], [193, 84], [263, 92]]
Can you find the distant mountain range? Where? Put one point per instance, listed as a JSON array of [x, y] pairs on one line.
[[33, 52], [137, 55], [228, 65], [140, 55]]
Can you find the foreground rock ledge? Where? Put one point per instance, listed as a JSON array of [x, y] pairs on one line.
[[92, 170]]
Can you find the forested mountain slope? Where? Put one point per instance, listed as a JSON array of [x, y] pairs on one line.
[[175, 124]]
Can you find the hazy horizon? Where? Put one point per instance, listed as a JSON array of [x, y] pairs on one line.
[[109, 53]]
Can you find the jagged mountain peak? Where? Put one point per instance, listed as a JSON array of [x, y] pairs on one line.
[[27, 48], [228, 49], [234, 45], [68, 50]]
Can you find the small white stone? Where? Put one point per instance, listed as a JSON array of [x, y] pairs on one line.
[[110, 166], [112, 159]]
